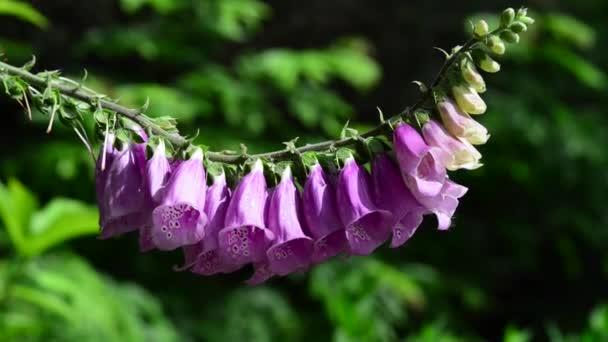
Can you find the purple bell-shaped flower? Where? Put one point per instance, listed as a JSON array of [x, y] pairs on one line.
[[208, 260], [321, 215], [367, 227], [292, 249], [179, 219], [422, 167], [158, 170], [124, 204], [245, 238], [392, 195]]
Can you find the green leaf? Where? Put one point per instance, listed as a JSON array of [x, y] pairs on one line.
[[570, 29], [17, 205], [23, 11], [62, 219], [584, 71]]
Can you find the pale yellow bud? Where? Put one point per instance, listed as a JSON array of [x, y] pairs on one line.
[[468, 100]]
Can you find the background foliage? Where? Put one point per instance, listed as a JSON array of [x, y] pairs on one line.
[[525, 261]]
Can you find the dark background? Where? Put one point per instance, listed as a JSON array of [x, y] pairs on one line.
[[526, 259]]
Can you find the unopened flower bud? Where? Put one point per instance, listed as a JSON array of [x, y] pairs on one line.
[[472, 76], [527, 20], [507, 17], [522, 12], [510, 37], [518, 27], [468, 100], [496, 45], [481, 28], [485, 62]]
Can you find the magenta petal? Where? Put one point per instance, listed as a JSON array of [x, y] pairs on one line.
[[421, 166], [292, 249], [216, 204], [245, 237], [180, 220], [321, 215], [445, 203], [125, 207], [261, 273], [367, 227], [158, 170], [329, 246], [405, 228]]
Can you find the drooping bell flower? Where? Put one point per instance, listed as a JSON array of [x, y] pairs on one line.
[[468, 99], [321, 215], [291, 249], [367, 227], [460, 124], [126, 207], [422, 167], [105, 158], [179, 219], [158, 170], [245, 237], [392, 195], [461, 154], [445, 203], [208, 260]]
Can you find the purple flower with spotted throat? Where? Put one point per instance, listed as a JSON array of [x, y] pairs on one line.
[[179, 219], [422, 166], [245, 238], [392, 195], [158, 170], [125, 206], [367, 227], [291, 249], [321, 215], [208, 260]]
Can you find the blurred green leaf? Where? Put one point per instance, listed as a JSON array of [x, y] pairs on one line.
[[70, 301], [17, 205], [161, 6], [23, 11], [579, 67], [60, 220], [31, 231], [162, 100], [570, 29]]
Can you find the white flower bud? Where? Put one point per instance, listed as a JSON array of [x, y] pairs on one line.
[[472, 76], [468, 100], [496, 45], [481, 28]]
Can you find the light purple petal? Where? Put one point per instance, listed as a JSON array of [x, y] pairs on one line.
[[392, 195], [125, 205], [367, 226], [321, 215], [245, 237], [421, 166], [179, 220], [292, 249]]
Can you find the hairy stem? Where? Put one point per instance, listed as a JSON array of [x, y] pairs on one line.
[[83, 94]]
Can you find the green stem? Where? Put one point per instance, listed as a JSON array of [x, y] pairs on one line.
[[87, 96]]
